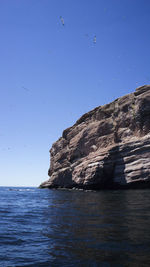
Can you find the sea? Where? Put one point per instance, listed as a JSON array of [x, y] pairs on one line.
[[42, 227]]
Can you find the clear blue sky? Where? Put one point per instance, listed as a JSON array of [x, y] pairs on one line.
[[51, 74]]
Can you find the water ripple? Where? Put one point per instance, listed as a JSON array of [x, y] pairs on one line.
[[74, 228]]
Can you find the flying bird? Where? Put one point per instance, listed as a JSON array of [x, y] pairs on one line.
[[26, 89], [62, 20], [94, 40]]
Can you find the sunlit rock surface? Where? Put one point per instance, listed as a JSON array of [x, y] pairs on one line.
[[108, 147]]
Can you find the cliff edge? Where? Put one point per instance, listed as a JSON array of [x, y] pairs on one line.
[[108, 147]]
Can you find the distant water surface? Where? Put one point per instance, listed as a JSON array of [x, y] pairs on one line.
[[74, 228]]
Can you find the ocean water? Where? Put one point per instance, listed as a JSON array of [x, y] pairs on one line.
[[41, 227]]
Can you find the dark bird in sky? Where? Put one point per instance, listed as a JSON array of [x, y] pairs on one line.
[[62, 20]]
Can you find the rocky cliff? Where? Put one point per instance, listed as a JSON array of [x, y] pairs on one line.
[[108, 147]]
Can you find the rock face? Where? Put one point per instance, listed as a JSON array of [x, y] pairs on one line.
[[108, 147]]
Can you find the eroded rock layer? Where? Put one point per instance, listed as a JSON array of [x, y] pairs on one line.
[[108, 147]]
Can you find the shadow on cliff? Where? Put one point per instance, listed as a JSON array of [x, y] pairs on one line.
[[110, 175], [114, 176]]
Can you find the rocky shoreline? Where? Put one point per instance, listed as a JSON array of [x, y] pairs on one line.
[[107, 148]]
